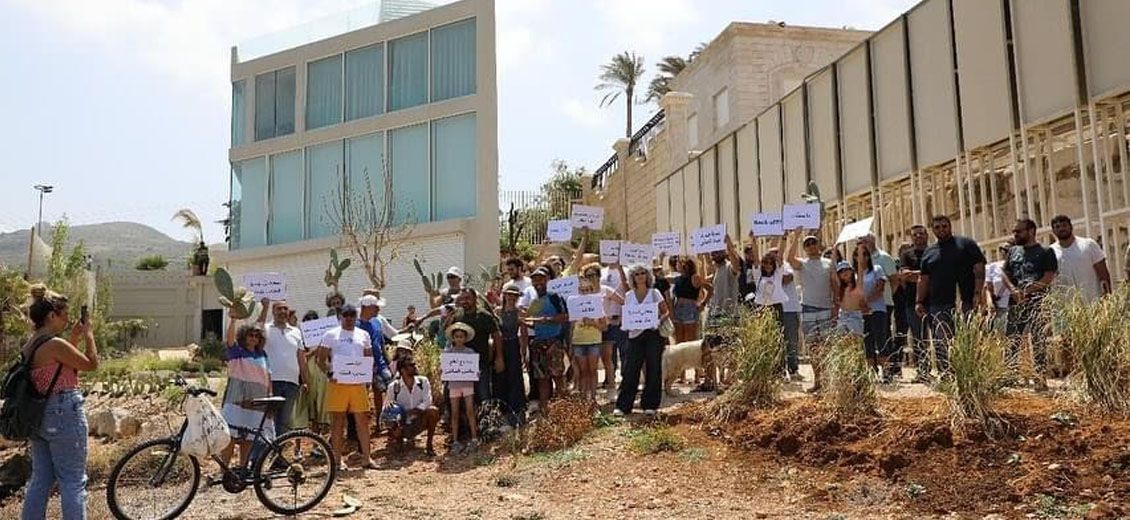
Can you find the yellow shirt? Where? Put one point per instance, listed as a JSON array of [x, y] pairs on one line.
[[585, 334]]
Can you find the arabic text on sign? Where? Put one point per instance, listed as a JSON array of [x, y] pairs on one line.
[[640, 316], [352, 369], [586, 306], [459, 366]]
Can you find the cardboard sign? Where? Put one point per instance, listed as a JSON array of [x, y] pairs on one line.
[[313, 330], [565, 286], [609, 251], [855, 230], [585, 306], [591, 217], [635, 254], [668, 242], [266, 285], [768, 225], [801, 216], [353, 369], [458, 366], [639, 316], [559, 231], [708, 239]]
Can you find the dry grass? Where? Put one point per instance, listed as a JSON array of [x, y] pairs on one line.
[[1098, 339], [563, 424], [426, 353], [848, 382], [755, 355], [979, 371]]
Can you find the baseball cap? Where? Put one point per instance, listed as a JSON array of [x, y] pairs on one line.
[[371, 301], [348, 309], [456, 272], [541, 271], [810, 239], [843, 265]]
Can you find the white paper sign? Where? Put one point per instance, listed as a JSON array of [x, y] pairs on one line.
[[591, 217], [565, 286], [855, 230], [801, 216], [639, 316], [266, 285], [609, 251], [353, 369], [313, 330], [585, 306], [635, 254], [768, 225], [667, 242], [708, 239], [559, 231], [458, 366]]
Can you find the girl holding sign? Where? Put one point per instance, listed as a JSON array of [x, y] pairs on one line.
[[587, 342], [461, 393]]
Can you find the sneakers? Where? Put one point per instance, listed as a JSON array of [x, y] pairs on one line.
[[618, 413], [455, 449], [649, 413]]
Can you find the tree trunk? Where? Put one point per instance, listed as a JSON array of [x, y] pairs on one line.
[[628, 101]]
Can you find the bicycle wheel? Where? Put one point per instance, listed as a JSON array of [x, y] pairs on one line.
[[296, 473], [153, 481]]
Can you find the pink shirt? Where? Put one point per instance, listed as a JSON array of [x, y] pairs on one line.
[[42, 376]]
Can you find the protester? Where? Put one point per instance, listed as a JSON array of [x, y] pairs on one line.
[[724, 271], [889, 266], [546, 314], [346, 398], [292, 318], [790, 320], [454, 277], [462, 393], [334, 302], [951, 266], [286, 359], [817, 284], [587, 342], [910, 264], [613, 339], [378, 328], [1082, 263], [411, 321], [645, 348], [248, 379], [510, 386], [690, 295], [850, 300], [876, 327], [899, 316], [768, 281], [514, 273], [58, 451], [410, 398], [486, 341], [1029, 271], [996, 288], [310, 411]]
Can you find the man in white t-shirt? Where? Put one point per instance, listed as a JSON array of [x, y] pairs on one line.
[[514, 274], [286, 359], [347, 340], [1082, 263]]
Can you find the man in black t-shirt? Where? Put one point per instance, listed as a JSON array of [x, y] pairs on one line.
[[954, 266], [1029, 269], [486, 331]]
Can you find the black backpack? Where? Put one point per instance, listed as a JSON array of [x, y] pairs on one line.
[[23, 408]]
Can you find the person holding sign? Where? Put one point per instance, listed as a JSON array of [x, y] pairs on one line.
[[347, 341], [510, 386], [690, 292], [286, 359], [461, 393], [817, 285], [724, 270], [546, 314], [587, 340], [248, 379], [645, 344]]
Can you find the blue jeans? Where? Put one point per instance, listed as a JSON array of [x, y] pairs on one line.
[[59, 456], [282, 416]]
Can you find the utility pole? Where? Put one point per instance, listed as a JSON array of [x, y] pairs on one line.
[[42, 189]]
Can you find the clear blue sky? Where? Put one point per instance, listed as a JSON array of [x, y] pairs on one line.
[[124, 105]]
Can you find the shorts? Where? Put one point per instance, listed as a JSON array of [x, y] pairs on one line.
[[686, 312], [851, 322], [547, 359], [346, 398], [457, 389], [815, 322], [613, 334], [586, 350]]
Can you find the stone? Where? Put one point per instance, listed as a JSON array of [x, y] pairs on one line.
[[115, 423]]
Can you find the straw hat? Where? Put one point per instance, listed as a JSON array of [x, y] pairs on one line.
[[463, 327]]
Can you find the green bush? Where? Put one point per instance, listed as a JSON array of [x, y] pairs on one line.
[[756, 356], [1097, 337], [212, 347], [848, 383], [151, 263], [647, 441], [978, 370]]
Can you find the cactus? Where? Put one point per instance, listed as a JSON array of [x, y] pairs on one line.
[[431, 282], [239, 302], [333, 272]]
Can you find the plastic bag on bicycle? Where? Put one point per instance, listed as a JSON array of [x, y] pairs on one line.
[[206, 432]]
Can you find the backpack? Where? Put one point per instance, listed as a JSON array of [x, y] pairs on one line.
[[23, 408]]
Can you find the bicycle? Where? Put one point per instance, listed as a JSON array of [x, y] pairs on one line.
[[164, 479]]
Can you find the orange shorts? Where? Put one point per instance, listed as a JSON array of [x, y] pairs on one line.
[[346, 398]]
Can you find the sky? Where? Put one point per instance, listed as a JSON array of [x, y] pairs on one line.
[[124, 105]]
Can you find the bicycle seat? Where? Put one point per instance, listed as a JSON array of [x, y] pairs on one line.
[[267, 401]]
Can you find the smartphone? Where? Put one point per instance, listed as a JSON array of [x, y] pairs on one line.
[[84, 314]]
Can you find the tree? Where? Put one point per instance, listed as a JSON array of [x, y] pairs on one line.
[[13, 294], [374, 226], [190, 221], [620, 77], [668, 68]]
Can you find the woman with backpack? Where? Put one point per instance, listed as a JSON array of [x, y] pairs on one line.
[[58, 452]]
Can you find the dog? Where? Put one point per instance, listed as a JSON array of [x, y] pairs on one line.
[[678, 358]]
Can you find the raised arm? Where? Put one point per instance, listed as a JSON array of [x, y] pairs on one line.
[[265, 303], [579, 254], [732, 256], [791, 252], [233, 327]]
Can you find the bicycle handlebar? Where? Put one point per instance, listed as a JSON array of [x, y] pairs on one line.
[[192, 390]]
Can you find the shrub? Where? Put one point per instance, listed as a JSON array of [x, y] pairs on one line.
[[151, 263], [564, 422], [647, 441], [1097, 337], [979, 370], [848, 383], [755, 354], [426, 353], [212, 348]]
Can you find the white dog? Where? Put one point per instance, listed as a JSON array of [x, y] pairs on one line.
[[678, 358]]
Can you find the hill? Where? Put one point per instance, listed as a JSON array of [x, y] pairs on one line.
[[116, 245]]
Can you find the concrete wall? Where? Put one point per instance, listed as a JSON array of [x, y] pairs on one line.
[[173, 301]]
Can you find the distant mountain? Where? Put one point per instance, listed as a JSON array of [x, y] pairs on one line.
[[116, 245]]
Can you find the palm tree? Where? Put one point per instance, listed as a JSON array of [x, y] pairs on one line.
[[669, 67], [189, 220], [620, 76]]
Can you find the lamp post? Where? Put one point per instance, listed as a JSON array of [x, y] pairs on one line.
[[42, 189]]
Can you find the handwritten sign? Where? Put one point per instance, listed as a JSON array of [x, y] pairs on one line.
[[855, 230], [591, 217], [708, 239], [768, 225], [313, 330], [353, 369], [635, 254], [667, 242], [565, 286], [458, 366], [266, 285], [559, 231], [801, 216], [640, 316], [585, 306], [609, 251]]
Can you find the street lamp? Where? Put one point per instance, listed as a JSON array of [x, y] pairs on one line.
[[42, 188]]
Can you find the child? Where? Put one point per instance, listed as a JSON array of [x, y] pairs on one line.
[[587, 342], [461, 392], [851, 300]]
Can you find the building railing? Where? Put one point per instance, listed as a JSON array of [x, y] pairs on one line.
[[536, 210], [637, 147]]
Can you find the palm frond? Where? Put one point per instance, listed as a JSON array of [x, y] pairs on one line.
[[189, 220]]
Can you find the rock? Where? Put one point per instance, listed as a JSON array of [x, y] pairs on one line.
[[116, 423]]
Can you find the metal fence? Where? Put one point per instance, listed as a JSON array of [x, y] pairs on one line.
[[535, 210]]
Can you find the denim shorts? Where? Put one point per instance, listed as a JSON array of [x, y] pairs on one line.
[[686, 312], [851, 322], [586, 350]]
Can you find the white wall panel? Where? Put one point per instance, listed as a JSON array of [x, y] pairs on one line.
[[982, 71], [931, 77], [1106, 41], [853, 84], [822, 134], [728, 187], [709, 183], [748, 179], [892, 101], [678, 203], [1042, 42], [663, 205], [769, 151], [796, 146], [692, 196]]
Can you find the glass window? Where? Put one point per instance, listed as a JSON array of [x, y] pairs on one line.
[[721, 108], [284, 101], [249, 203], [408, 71], [324, 170], [365, 156], [238, 113], [285, 222], [274, 104], [364, 82], [408, 157], [454, 162], [323, 92], [453, 60]]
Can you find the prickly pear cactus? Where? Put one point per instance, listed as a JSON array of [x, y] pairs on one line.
[[333, 272], [431, 282], [239, 301]]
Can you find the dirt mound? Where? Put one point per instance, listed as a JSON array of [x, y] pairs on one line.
[[1047, 452]]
